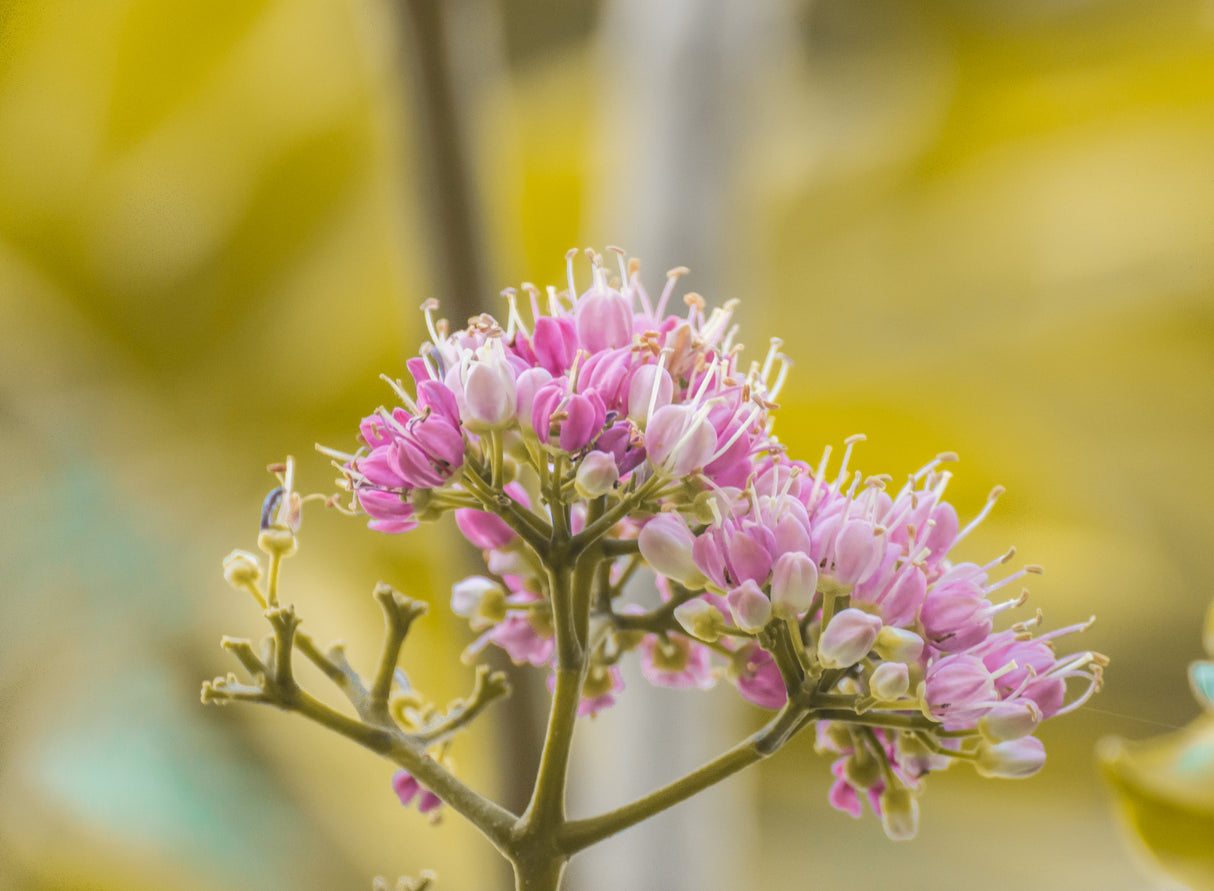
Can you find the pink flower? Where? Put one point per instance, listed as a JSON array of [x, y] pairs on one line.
[[675, 661], [486, 530], [523, 636], [407, 788], [570, 420], [757, 677], [959, 690]]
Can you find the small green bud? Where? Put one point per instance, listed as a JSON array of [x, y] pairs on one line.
[[898, 645], [899, 813], [599, 682], [700, 619], [277, 541], [241, 569]]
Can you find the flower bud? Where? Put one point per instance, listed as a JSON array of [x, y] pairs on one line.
[[525, 388], [480, 600], [794, 581], [666, 544], [511, 562], [604, 319], [1010, 720], [857, 552], [1011, 760], [241, 569], [641, 395], [890, 681], [848, 638], [483, 529], [489, 397], [898, 645], [750, 607], [277, 541], [555, 342], [899, 813], [700, 619], [596, 474]]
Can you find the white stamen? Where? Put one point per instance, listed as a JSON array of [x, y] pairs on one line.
[[428, 308], [399, 389], [850, 443], [754, 411], [569, 255], [657, 381], [554, 303], [813, 493], [772, 349], [671, 277], [982, 514], [785, 365]]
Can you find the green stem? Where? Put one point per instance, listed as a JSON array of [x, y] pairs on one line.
[[494, 821], [540, 873], [546, 810], [581, 834], [531, 528]]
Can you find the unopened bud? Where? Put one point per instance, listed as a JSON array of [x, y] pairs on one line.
[[480, 600], [596, 475], [666, 543], [749, 605], [898, 645], [1010, 720], [899, 813], [1011, 760], [700, 619], [489, 395], [241, 569], [794, 581], [848, 638], [277, 541], [890, 681]]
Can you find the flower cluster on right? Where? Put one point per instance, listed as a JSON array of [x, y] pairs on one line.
[[617, 435]]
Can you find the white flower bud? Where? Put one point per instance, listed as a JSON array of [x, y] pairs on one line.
[[665, 543], [750, 607], [898, 645], [890, 681], [1010, 720], [700, 619], [490, 400], [848, 638], [596, 474], [241, 569], [1011, 760], [480, 600], [794, 581]]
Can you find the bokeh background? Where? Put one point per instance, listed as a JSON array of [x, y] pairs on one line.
[[978, 225]]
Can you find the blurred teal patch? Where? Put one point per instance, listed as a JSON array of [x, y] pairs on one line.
[[153, 779], [1201, 678]]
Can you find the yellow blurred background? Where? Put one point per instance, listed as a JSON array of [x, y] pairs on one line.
[[977, 225]]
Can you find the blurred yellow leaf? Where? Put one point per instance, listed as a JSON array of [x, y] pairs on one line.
[[1165, 793]]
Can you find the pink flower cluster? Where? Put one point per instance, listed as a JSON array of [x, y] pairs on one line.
[[627, 405]]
